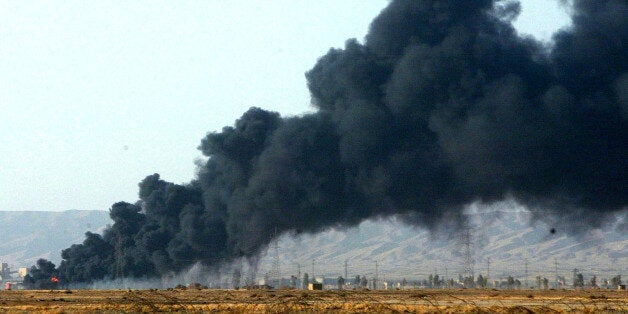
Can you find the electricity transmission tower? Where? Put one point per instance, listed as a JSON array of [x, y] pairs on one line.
[[376, 276], [467, 242], [276, 271], [119, 258], [526, 273], [556, 272], [488, 269]]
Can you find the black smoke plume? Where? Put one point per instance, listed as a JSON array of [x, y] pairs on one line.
[[442, 106]]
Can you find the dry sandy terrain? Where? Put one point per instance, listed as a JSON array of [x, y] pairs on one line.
[[282, 301]]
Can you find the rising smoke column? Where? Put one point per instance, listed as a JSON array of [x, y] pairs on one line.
[[442, 106], [473, 112]]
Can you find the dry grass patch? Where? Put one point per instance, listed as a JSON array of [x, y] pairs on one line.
[[292, 301]]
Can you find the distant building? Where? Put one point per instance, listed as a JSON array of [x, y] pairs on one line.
[[7, 276]]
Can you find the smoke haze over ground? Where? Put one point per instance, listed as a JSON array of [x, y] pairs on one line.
[[443, 105]]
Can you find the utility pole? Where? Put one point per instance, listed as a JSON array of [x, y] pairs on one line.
[[346, 274], [446, 281]]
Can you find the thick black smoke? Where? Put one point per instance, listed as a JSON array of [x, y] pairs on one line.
[[444, 105]]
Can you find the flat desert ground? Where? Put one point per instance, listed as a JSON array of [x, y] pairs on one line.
[[300, 301]]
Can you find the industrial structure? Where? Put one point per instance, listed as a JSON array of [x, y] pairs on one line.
[[12, 279]]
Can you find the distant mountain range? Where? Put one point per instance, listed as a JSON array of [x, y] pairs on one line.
[[504, 243], [26, 236]]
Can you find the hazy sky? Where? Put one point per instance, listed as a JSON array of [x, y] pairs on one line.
[[95, 95]]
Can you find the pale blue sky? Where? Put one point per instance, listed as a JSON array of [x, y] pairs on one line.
[[95, 95]]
